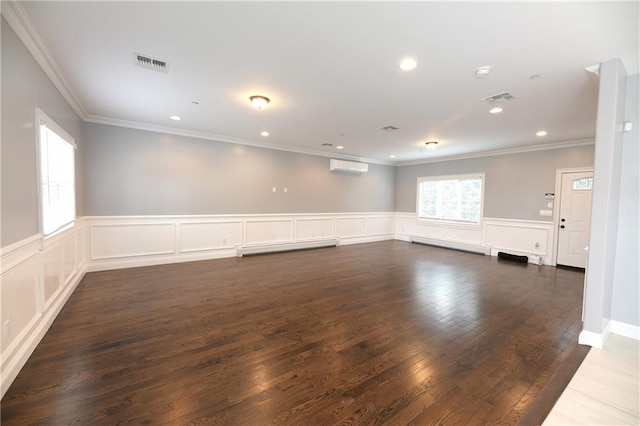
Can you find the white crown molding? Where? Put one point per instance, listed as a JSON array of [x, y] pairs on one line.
[[506, 151], [19, 21], [225, 139]]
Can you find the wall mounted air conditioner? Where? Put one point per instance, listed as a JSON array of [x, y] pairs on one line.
[[348, 166]]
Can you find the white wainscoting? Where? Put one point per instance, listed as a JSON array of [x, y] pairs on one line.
[[128, 241], [512, 236], [37, 278]]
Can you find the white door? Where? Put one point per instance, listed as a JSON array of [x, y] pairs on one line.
[[575, 218]]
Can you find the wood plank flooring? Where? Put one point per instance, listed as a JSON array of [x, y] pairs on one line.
[[381, 333]]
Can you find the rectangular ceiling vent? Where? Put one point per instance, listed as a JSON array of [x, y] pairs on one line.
[[500, 97], [145, 61]]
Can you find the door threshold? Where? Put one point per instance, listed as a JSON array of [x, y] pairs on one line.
[[572, 268]]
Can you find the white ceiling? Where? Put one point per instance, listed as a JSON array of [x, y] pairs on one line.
[[331, 70]]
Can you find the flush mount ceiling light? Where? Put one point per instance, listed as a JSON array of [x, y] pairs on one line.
[[392, 156], [541, 133], [482, 72], [496, 110], [259, 102], [175, 117], [265, 133], [339, 147], [431, 144], [407, 64]]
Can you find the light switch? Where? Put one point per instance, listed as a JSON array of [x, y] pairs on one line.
[[273, 189], [550, 205]]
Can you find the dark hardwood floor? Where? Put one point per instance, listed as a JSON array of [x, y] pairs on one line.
[[382, 333]]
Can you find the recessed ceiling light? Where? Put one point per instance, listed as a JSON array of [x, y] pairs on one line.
[[392, 156], [431, 144], [541, 133], [259, 102], [265, 133], [339, 147], [407, 64], [495, 110], [175, 117], [482, 72]]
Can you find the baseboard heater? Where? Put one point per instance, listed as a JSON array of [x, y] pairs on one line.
[[472, 248], [275, 248]]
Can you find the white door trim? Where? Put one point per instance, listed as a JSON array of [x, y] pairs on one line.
[[556, 208]]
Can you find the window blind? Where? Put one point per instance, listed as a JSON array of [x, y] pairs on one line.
[[57, 180]]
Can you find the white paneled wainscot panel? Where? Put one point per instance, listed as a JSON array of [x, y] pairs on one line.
[[210, 235], [351, 227], [268, 231], [38, 277], [522, 237], [380, 225], [132, 239], [128, 241], [314, 228]]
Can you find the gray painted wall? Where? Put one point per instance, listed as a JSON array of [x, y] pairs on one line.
[[515, 184], [136, 172], [26, 87], [625, 303]]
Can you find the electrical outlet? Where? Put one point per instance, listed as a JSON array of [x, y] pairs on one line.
[[537, 245]]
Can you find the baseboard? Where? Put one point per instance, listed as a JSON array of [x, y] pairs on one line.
[[625, 330], [35, 333], [593, 339], [122, 263], [402, 237], [456, 245], [589, 338], [345, 241]]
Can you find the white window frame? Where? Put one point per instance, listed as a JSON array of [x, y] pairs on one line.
[[42, 118], [445, 221]]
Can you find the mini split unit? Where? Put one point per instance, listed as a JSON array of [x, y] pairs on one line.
[[348, 166]]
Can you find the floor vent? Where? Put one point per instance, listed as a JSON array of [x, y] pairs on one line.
[[275, 248], [148, 62]]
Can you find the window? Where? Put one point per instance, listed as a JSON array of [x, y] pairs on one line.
[[56, 157], [451, 198], [583, 184]]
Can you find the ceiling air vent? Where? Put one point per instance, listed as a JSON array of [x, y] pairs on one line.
[[388, 128], [145, 61], [500, 97]]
